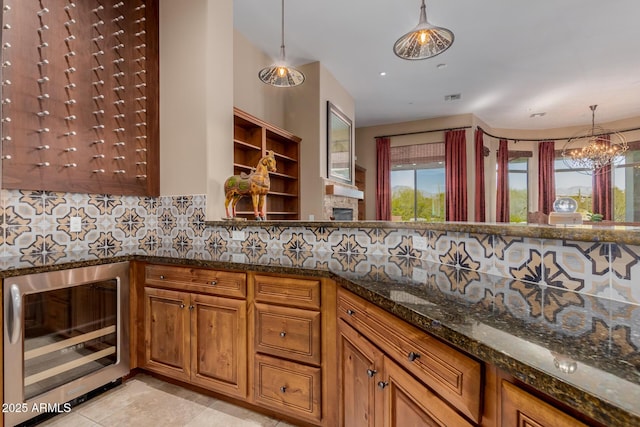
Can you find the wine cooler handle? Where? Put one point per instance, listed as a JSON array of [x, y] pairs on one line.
[[16, 315]]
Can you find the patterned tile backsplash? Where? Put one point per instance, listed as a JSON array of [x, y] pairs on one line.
[[36, 222]]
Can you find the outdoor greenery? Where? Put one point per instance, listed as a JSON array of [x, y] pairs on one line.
[[429, 207], [518, 205]]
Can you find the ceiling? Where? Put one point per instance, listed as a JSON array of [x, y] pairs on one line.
[[510, 58]]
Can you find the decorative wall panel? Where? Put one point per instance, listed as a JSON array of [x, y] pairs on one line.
[[80, 96]]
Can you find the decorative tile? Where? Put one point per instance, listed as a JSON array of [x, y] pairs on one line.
[[625, 270], [518, 258], [479, 248]]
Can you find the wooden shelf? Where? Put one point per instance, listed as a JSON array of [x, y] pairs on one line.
[[242, 144], [252, 138]]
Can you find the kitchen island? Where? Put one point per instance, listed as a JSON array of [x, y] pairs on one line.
[[554, 330]]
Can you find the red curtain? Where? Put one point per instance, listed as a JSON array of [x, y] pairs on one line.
[[480, 215], [602, 191], [546, 177], [383, 184], [455, 174], [502, 200]]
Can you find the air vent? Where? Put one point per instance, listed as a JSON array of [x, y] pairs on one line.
[[453, 97]]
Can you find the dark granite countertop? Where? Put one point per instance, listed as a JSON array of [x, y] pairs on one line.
[[582, 350], [629, 235]]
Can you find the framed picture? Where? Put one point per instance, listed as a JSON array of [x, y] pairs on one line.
[[339, 145]]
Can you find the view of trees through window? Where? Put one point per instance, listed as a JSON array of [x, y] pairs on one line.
[[418, 192], [518, 193]]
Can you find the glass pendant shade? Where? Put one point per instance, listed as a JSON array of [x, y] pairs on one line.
[[594, 149], [280, 74], [424, 41]]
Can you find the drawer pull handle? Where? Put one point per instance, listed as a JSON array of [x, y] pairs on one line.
[[382, 384], [161, 277], [283, 334], [213, 282], [413, 356], [283, 389], [371, 372], [350, 312]]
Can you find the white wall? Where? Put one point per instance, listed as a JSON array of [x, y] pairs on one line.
[[249, 93], [302, 118], [196, 99]]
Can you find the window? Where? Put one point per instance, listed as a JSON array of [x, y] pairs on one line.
[[575, 183], [518, 193], [626, 185], [417, 182]]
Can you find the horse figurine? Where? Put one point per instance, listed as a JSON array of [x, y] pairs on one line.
[[256, 184]]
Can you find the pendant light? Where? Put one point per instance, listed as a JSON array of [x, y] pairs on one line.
[[280, 74], [595, 148], [424, 41]]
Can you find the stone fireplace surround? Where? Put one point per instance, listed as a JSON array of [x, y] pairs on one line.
[[338, 195]]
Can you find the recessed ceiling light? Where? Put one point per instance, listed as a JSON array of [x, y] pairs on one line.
[[383, 73], [441, 66], [534, 115]]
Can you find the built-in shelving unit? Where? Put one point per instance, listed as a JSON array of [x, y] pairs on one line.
[[252, 138]]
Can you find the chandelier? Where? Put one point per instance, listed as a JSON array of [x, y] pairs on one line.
[[424, 40], [280, 74], [592, 150]]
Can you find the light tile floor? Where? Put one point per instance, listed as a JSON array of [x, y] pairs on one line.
[[146, 401]]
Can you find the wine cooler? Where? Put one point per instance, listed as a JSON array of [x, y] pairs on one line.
[[66, 333]]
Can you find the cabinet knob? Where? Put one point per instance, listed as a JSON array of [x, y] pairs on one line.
[[213, 282], [413, 356], [371, 372], [283, 334], [350, 312], [182, 305], [161, 277], [191, 307], [283, 389], [382, 384]]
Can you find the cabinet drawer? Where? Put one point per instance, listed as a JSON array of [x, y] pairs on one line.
[[521, 408], [288, 387], [454, 376], [287, 332], [303, 293], [224, 283]]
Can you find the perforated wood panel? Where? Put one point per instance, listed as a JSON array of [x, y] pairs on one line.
[[80, 96]]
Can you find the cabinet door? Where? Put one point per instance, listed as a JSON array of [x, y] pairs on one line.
[[166, 329], [218, 344], [407, 402], [360, 367], [519, 408]]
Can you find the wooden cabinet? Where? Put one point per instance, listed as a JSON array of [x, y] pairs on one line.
[[455, 377], [519, 408], [167, 332], [196, 337], [376, 391], [294, 346], [360, 367], [80, 110], [289, 387], [252, 138]]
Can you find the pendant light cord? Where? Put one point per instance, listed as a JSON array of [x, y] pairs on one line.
[[282, 44]]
